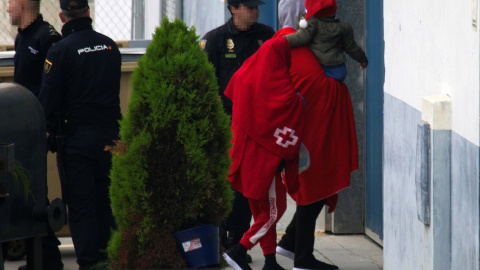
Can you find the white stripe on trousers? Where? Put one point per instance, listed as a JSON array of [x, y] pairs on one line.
[[272, 198]]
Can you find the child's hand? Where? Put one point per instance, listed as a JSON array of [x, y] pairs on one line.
[[364, 65]]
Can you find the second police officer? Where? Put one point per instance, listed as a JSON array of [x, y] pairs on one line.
[[81, 84]]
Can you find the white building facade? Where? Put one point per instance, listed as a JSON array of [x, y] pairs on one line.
[[431, 74]]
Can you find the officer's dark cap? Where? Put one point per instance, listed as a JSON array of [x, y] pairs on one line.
[[73, 4], [248, 3]]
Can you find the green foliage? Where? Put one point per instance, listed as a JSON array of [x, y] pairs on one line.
[[172, 174]]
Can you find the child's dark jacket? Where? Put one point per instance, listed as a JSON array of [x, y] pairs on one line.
[[322, 35]]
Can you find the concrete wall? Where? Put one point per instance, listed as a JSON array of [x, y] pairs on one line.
[[430, 49]]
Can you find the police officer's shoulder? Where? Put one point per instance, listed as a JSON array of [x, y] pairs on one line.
[[99, 37], [47, 34], [219, 31], [213, 36], [52, 31], [64, 48], [47, 30]]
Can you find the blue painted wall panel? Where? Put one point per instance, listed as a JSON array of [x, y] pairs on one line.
[[374, 117], [268, 14], [465, 212], [402, 231]]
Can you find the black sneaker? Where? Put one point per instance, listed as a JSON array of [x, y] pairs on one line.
[[236, 261], [314, 264], [286, 251], [272, 266]]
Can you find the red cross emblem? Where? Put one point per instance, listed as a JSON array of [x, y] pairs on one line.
[[285, 137]]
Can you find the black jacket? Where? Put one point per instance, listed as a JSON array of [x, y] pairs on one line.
[[227, 49], [81, 78], [31, 47]]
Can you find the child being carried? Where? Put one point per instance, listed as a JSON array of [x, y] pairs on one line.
[[323, 32]]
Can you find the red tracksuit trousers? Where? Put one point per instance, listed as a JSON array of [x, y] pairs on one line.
[[266, 213]]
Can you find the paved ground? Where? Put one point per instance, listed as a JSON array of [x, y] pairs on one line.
[[348, 252]]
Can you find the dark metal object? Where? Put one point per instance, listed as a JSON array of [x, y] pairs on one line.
[[7, 157], [7, 164], [25, 213]]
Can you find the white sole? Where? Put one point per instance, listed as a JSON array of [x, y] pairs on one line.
[[231, 262], [285, 253]]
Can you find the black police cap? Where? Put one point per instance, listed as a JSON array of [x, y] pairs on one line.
[[248, 3], [73, 4]]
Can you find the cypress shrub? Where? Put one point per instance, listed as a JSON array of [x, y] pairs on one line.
[[169, 170]]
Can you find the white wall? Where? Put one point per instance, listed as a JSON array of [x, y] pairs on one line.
[[195, 11], [430, 48], [205, 15], [152, 17]]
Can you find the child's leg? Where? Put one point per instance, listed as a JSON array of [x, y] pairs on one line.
[[339, 72], [266, 214]]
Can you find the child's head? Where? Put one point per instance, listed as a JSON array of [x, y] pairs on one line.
[[320, 8]]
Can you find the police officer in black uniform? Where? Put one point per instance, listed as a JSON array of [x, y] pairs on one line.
[[228, 46], [81, 86], [35, 37]]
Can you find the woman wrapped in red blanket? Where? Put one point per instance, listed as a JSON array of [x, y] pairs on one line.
[[329, 135], [267, 125]]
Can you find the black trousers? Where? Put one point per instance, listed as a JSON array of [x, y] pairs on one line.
[[300, 233], [238, 221], [86, 191]]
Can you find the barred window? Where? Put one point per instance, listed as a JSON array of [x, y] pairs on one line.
[[120, 19]]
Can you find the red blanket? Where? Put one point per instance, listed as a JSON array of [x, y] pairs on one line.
[[329, 133], [267, 120]]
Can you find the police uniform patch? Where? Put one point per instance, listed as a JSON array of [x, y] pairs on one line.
[[230, 44], [47, 66], [203, 43]]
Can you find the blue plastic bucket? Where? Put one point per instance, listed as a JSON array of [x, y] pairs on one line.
[[199, 246]]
